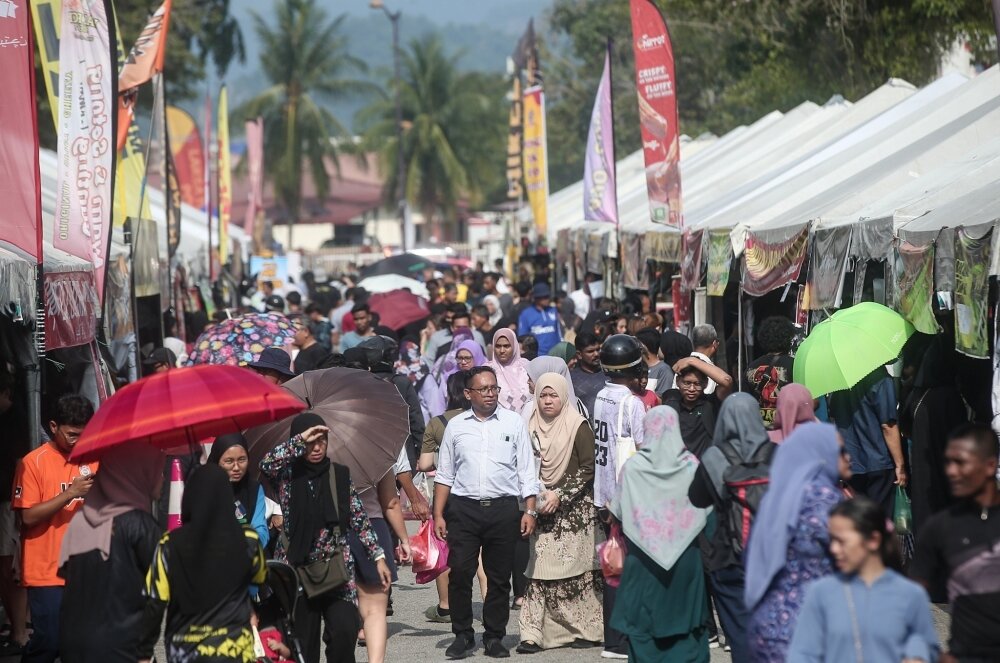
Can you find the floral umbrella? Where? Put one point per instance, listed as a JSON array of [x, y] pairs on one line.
[[239, 341]]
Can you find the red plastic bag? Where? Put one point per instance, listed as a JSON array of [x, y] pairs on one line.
[[430, 554], [611, 554]]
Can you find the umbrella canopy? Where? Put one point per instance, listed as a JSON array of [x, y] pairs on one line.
[[853, 342], [239, 341], [181, 407], [404, 264], [398, 308], [390, 282], [368, 420]]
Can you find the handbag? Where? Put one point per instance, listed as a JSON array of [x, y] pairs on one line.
[[902, 514], [430, 554], [624, 446], [611, 554], [325, 575]]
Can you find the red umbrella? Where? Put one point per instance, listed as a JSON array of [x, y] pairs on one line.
[[180, 407], [398, 308]]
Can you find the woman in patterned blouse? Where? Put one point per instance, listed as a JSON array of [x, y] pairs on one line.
[[299, 471]]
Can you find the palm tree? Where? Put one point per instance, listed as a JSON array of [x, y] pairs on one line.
[[304, 58], [443, 111]]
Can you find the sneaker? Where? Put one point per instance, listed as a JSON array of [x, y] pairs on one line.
[[495, 649], [727, 649], [613, 654], [580, 643], [461, 647], [713, 642], [434, 614]]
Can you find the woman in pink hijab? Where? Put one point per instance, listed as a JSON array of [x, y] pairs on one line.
[[511, 370], [795, 406]]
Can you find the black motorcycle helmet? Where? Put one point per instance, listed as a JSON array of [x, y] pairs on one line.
[[621, 357], [381, 352]]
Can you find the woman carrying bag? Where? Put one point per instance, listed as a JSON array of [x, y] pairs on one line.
[[562, 605], [320, 504]]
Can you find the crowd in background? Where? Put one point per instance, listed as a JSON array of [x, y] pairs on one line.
[[753, 515]]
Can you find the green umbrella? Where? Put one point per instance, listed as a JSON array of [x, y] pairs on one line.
[[842, 350]]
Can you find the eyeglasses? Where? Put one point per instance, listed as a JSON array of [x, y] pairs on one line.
[[464, 360], [231, 462], [690, 386], [483, 391]]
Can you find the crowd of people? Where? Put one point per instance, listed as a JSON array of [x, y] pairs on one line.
[[545, 428]]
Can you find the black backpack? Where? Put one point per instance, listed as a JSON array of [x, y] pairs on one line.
[[746, 483]]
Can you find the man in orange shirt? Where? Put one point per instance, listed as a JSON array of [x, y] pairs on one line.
[[48, 490]]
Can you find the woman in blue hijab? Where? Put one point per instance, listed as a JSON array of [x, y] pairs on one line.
[[789, 542]]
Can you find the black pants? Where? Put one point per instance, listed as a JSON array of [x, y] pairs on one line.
[[495, 529], [879, 486], [522, 553], [44, 603], [341, 634], [727, 589], [614, 640]]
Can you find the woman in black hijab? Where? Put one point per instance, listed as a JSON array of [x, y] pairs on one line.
[[230, 453], [201, 575]]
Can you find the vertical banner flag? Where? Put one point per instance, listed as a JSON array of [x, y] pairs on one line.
[[131, 166], [255, 174], [514, 171], [600, 201], [225, 177], [535, 166], [208, 183], [189, 156], [655, 85], [171, 190], [86, 132], [20, 183], [143, 62]]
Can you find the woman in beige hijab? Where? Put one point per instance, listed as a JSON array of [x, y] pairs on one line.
[[563, 602]]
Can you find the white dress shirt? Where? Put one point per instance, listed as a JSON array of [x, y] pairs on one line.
[[485, 459]]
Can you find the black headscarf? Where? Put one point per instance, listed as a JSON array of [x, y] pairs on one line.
[[209, 558], [311, 506], [246, 489], [675, 346]]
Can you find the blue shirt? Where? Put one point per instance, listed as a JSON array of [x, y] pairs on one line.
[[487, 458], [862, 434], [893, 619], [543, 325]]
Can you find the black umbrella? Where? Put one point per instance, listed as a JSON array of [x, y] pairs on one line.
[[404, 264]]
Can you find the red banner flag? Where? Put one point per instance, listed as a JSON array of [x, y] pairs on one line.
[[189, 155], [20, 186], [144, 61], [655, 85], [86, 148]]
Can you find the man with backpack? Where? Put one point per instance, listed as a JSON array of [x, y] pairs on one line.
[[732, 478], [617, 418]]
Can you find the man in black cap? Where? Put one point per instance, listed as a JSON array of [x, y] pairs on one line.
[[160, 360], [274, 365], [541, 320], [274, 304]]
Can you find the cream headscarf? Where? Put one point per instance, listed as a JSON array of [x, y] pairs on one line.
[[556, 436]]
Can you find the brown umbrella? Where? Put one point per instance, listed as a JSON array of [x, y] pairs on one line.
[[368, 420]]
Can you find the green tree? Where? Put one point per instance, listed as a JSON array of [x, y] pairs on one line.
[[305, 59], [453, 134]]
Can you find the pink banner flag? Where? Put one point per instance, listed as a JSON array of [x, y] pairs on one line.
[[600, 202], [20, 215], [87, 90], [255, 170], [655, 85]]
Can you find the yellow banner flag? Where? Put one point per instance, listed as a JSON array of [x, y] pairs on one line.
[[131, 168], [536, 170], [225, 177]]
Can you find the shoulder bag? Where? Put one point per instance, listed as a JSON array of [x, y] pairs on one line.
[[325, 575]]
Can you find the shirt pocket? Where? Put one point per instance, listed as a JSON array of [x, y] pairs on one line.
[[501, 451]]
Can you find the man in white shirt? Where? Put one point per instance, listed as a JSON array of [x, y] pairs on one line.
[[622, 361], [485, 464]]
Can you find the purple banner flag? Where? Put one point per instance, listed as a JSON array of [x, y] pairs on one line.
[[600, 201]]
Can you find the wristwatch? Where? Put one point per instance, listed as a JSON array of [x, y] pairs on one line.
[[532, 513]]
